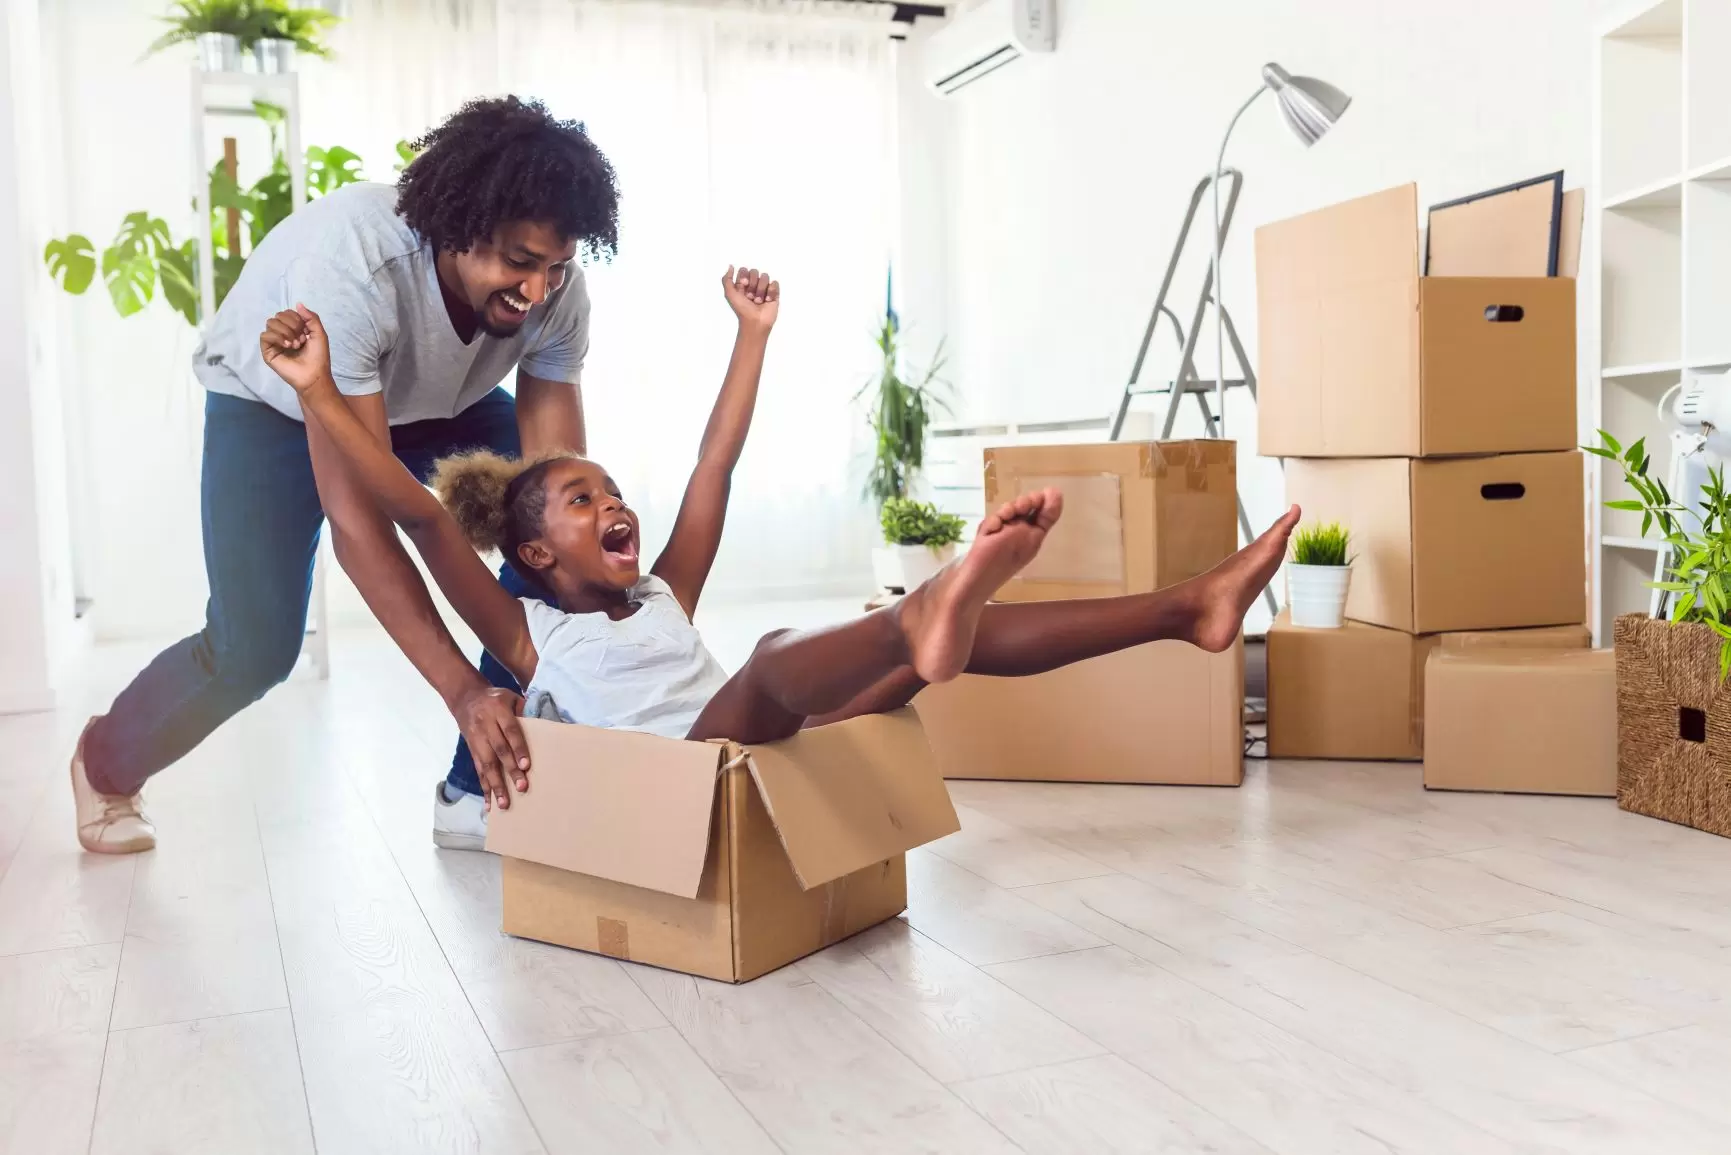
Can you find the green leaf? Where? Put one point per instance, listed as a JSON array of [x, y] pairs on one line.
[[1646, 522], [1724, 661], [131, 280], [1597, 452], [1671, 587], [176, 268], [72, 262], [1611, 442], [1630, 506], [1684, 605], [331, 168], [1637, 453], [227, 269]]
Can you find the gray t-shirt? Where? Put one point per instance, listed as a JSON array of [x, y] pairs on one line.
[[352, 260]]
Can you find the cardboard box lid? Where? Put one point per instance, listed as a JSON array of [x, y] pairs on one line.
[[1337, 299], [1495, 659], [631, 808], [845, 796], [637, 809]]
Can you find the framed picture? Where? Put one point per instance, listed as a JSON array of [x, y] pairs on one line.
[[1512, 231]]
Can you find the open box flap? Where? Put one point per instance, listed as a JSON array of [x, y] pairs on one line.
[[631, 808], [846, 796]]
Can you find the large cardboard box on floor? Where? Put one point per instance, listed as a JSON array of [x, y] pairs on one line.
[[710, 858], [1358, 692], [1476, 543], [1360, 356], [1138, 515], [1166, 712], [1522, 721]]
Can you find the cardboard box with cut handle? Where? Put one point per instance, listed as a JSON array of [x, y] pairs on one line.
[[1360, 356], [1477, 543]]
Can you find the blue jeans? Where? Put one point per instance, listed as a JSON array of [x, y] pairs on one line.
[[262, 522]]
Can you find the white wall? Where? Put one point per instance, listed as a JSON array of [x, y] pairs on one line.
[[37, 632], [1071, 172]]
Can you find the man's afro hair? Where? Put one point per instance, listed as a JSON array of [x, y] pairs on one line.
[[503, 160]]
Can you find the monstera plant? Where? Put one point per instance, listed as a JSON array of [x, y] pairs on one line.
[[144, 260]]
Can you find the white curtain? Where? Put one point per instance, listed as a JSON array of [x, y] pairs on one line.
[[742, 133]]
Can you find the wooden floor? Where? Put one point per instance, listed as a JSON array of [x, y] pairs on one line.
[[1327, 960]]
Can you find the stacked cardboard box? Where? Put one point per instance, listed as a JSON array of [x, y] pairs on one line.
[[1138, 516], [1434, 417]]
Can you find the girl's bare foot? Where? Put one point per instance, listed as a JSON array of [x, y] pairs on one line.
[[939, 618], [1225, 593]]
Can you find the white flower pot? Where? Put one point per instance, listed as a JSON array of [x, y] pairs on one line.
[[218, 52], [900, 568], [274, 57], [1317, 595]]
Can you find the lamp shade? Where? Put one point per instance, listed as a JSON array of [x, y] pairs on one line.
[[1310, 106]]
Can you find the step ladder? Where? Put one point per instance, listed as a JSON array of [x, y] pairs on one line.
[[1186, 382]]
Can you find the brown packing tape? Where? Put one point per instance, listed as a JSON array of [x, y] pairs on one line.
[[612, 938], [835, 910], [1087, 545], [1194, 458]]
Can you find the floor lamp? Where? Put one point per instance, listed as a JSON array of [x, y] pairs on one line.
[[1311, 107]]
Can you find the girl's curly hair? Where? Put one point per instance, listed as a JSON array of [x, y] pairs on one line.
[[499, 502]]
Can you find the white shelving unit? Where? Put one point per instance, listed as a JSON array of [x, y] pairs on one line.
[[231, 94], [1662, 234]]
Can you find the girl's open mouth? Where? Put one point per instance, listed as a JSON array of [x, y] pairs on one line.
[[619, 543]]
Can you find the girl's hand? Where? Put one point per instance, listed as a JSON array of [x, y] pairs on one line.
[[294, 344], [754, 297]]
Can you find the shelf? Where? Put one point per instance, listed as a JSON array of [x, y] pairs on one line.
[[1652, 369], [1709, 364], [1660, 194], [1662, 18], [1717, 170], [1634, 543], [260, 80], [1641, 289]]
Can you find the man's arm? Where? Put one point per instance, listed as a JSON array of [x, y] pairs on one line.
[[372, 555], [549, 416]]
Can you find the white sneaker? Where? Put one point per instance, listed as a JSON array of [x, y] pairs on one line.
[[107, 823], [459, 825]]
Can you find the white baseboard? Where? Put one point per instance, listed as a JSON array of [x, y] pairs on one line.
[[27, 702]]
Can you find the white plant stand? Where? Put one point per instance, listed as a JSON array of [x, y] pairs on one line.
[[231, 94], [1660, 230]]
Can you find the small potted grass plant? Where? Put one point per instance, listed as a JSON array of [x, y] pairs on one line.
[[1318, 576], [918, 542]]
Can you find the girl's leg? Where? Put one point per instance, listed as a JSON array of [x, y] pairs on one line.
[[796, 674], [1015, 640]]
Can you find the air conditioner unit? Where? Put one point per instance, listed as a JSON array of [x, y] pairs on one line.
[[983, 39]]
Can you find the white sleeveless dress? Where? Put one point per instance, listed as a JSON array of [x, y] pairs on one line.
[[648, 673]]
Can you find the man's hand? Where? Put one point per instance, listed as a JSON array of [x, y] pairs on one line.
[[294, 344], [488, 718], [756, 300]]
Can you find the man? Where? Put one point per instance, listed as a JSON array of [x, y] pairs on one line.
[[431, 293]]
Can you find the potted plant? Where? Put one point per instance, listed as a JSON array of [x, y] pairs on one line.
[[901, 413], [1319, 575], [217, 27], [1673, 717], [918, 541], [279, 31]]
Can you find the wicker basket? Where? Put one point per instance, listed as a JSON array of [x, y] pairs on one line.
[[1673, 724]]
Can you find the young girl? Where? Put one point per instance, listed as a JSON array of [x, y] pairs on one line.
[[620, 650]]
